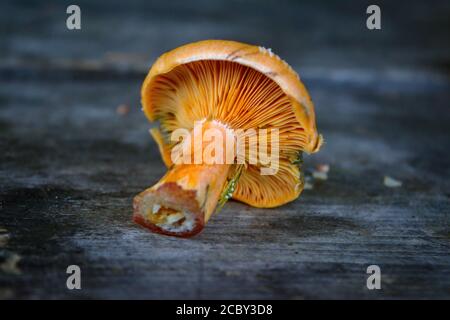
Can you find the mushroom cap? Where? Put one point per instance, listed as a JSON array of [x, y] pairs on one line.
[[300, 131]]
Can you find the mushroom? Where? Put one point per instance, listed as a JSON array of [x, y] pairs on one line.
[[222, 86]]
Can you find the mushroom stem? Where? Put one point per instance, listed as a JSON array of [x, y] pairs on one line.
[[182, 202]]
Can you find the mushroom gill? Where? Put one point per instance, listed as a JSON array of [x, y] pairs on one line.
[[226, 91], [223, 95]]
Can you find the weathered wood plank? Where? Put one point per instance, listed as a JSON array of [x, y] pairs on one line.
[[70, 165]]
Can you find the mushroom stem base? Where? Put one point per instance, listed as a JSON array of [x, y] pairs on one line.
[[183, 200]]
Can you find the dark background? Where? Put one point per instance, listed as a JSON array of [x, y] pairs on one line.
[[70, 164]]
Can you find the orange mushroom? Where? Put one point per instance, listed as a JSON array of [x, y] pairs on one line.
[[223, 86]]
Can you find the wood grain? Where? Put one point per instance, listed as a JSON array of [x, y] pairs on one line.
[[70, 164]]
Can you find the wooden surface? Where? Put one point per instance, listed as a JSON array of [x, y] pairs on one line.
[[70, 165]]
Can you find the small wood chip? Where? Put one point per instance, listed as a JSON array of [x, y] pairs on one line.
[[123, 109], [308, 183], [320, 175], [323, 168], [4, 236], [321, 172], [308, 186], [10, 264], [391, 182]]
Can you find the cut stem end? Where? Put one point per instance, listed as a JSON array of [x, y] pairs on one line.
[[182, 202]]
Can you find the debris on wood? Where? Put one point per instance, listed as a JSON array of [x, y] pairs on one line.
[[123, 110], [4, 236], [391, 182], [6, 293], [10, 264], [309, 185], [323, 168], [320, 175], [321, 172]]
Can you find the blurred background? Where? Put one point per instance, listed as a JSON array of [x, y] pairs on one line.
[[75, 149]]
